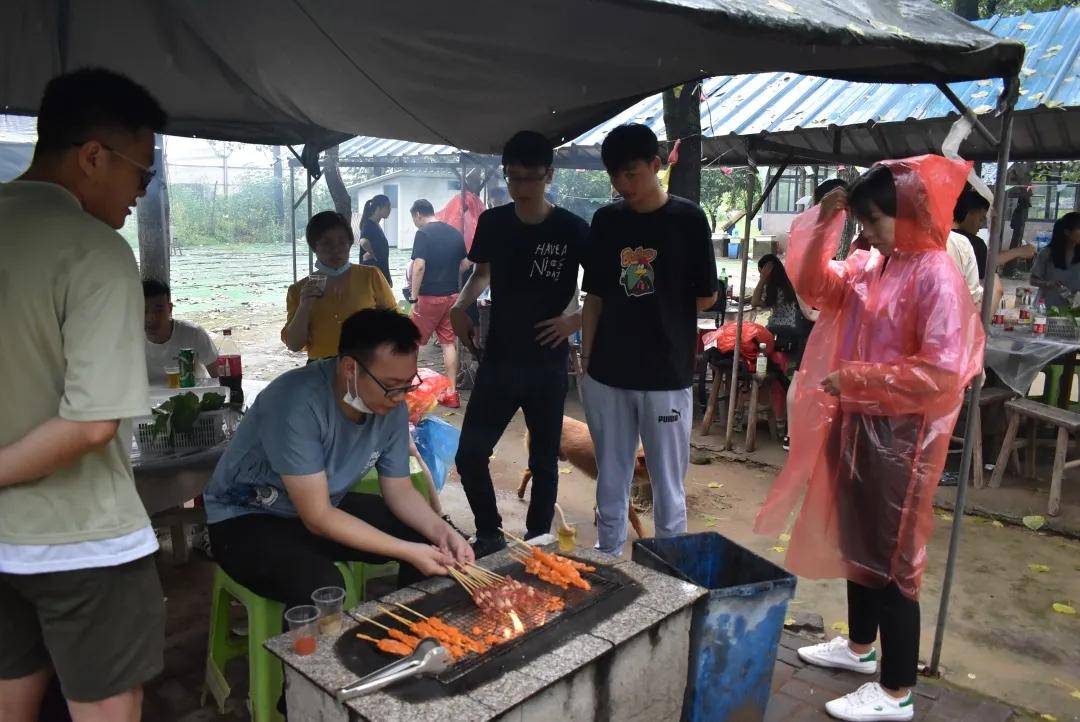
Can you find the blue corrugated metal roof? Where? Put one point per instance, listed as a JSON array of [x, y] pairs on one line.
[[782, 102]]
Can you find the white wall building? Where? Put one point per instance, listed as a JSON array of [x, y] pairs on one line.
[[403, 187]]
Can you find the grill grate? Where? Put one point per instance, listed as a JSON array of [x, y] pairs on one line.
[[611, 591]]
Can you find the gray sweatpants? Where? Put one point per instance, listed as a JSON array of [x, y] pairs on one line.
[[662, 419]]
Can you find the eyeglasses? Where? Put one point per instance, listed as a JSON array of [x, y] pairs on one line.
[[390, 393], [146, 174], [522, 179]]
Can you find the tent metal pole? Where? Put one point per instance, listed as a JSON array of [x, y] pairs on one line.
[[292, 218], [967, 113], [310, 261], [996, 233], [462, 171], [744, 253]]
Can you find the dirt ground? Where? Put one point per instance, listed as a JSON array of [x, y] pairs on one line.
[[1003, 638]]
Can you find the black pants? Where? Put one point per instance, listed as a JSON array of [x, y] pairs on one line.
[[278, 558], [897, 616], [501, 389]]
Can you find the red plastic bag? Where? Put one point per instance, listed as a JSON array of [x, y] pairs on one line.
[[753, 334], [425, 398], [905, 340]]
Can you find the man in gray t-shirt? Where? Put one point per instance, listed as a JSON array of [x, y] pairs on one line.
[[279, 505]]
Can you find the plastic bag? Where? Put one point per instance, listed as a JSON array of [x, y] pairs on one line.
[[904, 340], [437, 442], [753, 334], [422, 400]]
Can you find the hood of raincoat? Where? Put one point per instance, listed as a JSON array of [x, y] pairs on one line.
[[927, 187]]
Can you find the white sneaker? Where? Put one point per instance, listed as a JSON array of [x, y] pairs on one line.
[[836, 654], [871, 702]]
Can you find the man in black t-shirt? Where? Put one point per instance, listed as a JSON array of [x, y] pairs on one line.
[[650, 269], [438, 257], [529, 252]]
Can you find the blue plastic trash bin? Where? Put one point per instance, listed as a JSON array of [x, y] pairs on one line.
[[736, 627]]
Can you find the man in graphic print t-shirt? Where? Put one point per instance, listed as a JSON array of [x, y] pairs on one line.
[[529, 251], [650, 270]]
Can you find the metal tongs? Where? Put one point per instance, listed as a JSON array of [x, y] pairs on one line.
[[429, 658]]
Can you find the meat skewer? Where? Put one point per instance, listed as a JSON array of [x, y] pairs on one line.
[[390, 646]]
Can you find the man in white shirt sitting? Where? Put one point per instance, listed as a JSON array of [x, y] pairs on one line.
[[166, 336]]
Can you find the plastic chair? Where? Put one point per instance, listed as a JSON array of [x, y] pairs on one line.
[[264, 620]]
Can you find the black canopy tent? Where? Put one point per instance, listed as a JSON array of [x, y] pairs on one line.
[[315, 72]]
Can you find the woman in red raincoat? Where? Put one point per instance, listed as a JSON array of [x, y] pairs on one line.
[[876, 399]]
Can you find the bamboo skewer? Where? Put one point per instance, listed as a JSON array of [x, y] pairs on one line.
[[469, 584], [410, 610], [367, 638], [377, 624], [395, 617], [482, 573], [519, 540]]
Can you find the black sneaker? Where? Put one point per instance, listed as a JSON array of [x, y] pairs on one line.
[[484, 545]]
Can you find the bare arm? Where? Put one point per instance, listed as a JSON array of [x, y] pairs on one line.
[[758, 297], [459, 318], [590, 316], [418, 267], [465, 265], [311, 497], [1024, 251], [810, 313], [50, 446]]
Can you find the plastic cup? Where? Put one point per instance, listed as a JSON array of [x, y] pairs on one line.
[[328, 600], [320, 280], [567, 537], [172, 376], [303, 628]]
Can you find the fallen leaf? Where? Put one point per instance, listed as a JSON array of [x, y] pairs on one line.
[[997, 523], [1054, 103], [852, 27], [1075, 694], [778, 549], [714, 485], [971, 676], [1038, 568], [780, 5], [1034, 522], [943, 515], [841, 627], [980, 94], [1062, 608], [790, 621], [1026, 26], [785, 538], [1027, 71], [565, 470], [1048, 716]]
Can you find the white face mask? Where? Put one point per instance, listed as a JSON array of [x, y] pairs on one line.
[[353, 400], [330, 270]]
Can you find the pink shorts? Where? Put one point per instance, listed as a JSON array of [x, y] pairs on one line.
[[431, 314]]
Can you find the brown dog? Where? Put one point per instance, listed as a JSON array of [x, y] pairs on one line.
[[577, 448]]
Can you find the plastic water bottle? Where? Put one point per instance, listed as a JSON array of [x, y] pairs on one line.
[[1039, 327], [761, 363]]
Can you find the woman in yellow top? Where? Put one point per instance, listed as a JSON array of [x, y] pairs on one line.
[[319, 304]]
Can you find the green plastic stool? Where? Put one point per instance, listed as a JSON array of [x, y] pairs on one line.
[[363, 572], [1052, 384], [264, 617]]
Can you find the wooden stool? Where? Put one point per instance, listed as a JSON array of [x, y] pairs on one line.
[[1067, 423], [989, 397], [720, 392]]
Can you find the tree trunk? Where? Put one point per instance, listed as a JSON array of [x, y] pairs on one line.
[[682, 119], [336, 186], [967, 9], [152, 216]]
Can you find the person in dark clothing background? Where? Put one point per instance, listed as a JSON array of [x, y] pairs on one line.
[[372, 239], [529, 251]]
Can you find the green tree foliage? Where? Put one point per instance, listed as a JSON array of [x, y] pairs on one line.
[[989, 8], [581, 191], [724, 189]]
